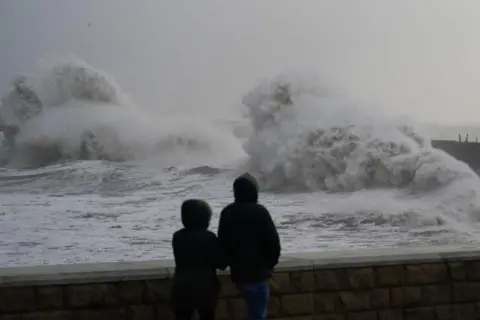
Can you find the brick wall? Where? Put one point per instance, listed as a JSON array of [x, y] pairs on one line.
[[444, 289]]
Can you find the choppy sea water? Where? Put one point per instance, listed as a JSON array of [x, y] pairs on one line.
[[78, 187], [99, 211]]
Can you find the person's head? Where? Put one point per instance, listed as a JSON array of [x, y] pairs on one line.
[[245, 188], [196, 214]]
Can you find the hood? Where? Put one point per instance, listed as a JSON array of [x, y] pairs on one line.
[[245, 188], [196, 214]]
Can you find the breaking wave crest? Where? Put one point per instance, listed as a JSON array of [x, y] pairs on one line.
[[305, 138], [72, 111]]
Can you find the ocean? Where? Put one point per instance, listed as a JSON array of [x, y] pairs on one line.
[[93, 177]]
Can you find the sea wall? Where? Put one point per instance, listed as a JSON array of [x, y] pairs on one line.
[[468, 152], [381, 284]]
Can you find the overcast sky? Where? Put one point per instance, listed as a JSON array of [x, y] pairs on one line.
[[416, 57]]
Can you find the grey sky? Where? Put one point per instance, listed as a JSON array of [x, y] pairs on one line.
[[417, 57]]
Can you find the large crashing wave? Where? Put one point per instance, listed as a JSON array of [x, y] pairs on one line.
[[65, 86], [73, 111], [304, 138], [55, 87]]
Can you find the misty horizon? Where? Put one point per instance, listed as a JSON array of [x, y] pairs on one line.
[[413, 58]]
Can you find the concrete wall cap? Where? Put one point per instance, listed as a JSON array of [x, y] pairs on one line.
[[158, 269]]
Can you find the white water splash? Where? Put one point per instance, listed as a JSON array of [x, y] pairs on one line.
[[71, 110], [305, 138]]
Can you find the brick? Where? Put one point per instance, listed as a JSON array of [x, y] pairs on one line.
[[406, 296], [52, 315], [164, 312], [466, 292], [396, 297], [227, 287], [297, 304], [412, 296], [355, 300], [11, 317], [303, 282], [327, 303], [101, 314], [370, 315], [91, 295], [393, 314], [472, 270], [331, 280], [131, 292], [390, 276], [380, 298], [361, 278], [49, 298], [17, 299], [457, 271], [222, 311], [477, 307], [274, 307], [464, 312], [443, 312], [418, 314], [297, 318], [238, 308], [157, 290], [142, 313], [436, 294], [330, 317], [280, 283], [426, 273]]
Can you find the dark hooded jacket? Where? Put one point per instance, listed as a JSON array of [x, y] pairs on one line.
[[197, 256], [247, 234]]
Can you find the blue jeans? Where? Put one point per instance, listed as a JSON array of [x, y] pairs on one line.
[[256, 295]]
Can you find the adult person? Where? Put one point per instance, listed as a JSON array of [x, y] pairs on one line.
[[197, 256], [251, 245]]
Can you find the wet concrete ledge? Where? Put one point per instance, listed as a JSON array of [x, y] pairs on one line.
[[161, 269]]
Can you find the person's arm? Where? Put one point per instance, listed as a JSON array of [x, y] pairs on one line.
[[218, 258], [174, 247], [270, 238], [222, 234]]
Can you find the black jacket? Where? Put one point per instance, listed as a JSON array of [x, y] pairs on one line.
[[247, 234], [197, 256]]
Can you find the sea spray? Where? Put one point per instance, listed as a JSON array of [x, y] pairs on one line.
[[71, 111], [306, 139]]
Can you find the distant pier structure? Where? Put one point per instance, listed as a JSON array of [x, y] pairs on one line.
[[462, 149]]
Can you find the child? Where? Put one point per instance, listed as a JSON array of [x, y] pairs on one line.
[[197, 256]]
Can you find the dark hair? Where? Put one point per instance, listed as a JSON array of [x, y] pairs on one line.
[[196, 214]]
